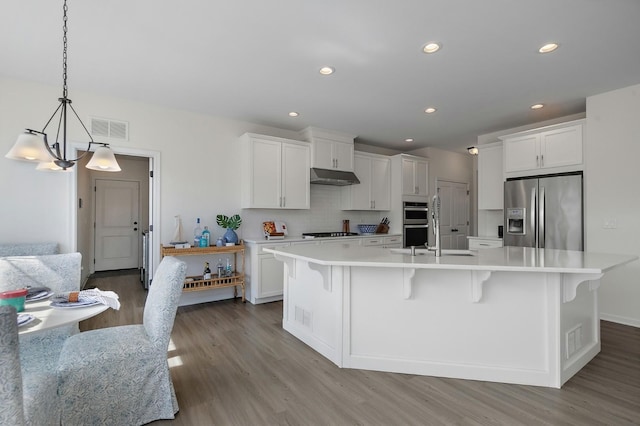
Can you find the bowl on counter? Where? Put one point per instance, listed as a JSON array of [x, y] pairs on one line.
[[367, 229]]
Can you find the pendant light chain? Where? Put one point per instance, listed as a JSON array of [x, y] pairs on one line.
[[64, 50]]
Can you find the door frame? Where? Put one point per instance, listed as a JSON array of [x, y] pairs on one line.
[[154, 199]]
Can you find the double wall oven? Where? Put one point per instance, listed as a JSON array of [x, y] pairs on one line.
[[415, 223]]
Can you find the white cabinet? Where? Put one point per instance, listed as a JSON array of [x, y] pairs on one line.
[[374, 190], [490, 177], [549, 149], [265, 274], [385, 242], [415, 176], [275, 173], [476, 243], [329, 149]]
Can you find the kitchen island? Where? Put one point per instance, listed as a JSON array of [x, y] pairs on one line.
[[511, 315]]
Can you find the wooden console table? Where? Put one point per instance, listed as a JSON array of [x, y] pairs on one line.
[[197, 282]]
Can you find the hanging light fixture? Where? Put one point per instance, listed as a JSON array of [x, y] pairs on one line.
[[33, 145]]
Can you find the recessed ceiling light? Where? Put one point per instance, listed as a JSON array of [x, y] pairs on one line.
[[293, 114], [431, 47], [327, 70], [537, 106], [430, 110], [549, 47], [408, 140]]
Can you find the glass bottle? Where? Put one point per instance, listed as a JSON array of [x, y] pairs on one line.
[[197, 233], [207, 272], [220, 269], [228, 272], [205, 237]]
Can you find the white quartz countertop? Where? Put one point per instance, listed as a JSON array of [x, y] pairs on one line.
[[518, 259], [298, 238]]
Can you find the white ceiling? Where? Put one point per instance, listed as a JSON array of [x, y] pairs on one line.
[[256, 60]]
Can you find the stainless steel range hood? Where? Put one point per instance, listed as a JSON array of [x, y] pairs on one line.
[[333, 177]]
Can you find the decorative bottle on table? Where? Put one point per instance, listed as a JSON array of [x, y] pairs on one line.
[[207, 272], [197, 233], [220, 269], [205, 237]]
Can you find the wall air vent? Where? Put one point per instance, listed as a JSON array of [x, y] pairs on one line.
[[110, 129]]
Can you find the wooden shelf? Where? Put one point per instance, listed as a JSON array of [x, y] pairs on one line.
[[197, 283]]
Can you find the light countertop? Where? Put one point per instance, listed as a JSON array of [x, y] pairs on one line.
[[515, 259]]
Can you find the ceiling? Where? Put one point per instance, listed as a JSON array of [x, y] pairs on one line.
[[257, 60]]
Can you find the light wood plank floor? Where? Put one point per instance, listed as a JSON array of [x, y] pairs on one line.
[[233, 364]]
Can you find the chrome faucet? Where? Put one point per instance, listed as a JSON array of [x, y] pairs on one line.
[[435, 221]]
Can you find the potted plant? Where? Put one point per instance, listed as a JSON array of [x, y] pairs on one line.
[[230, 224]]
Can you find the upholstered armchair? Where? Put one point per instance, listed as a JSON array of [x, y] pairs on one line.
[[28, 249], [39, 352], [120, 375], [11, 408]]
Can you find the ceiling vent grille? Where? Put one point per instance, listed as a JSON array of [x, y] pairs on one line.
[[110, 129]]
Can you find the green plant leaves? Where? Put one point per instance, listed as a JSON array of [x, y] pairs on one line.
[[227, 222]]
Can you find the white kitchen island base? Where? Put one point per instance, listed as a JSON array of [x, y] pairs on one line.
[[448, 317]]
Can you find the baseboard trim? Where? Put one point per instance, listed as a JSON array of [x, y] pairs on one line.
[[633, 322]]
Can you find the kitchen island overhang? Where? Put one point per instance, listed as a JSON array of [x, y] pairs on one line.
[[511, 315]]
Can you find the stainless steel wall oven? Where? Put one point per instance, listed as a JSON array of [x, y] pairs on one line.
[[415, 223]]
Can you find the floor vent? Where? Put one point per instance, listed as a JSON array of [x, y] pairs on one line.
[[110, 129]]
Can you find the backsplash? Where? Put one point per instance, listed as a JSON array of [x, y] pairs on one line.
[[324, 215]]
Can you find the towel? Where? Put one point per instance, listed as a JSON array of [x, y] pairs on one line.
[[108, 298]]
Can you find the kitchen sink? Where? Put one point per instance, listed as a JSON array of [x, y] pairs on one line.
[[424, 251]]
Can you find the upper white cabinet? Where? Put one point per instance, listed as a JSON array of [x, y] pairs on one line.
[[415, 175], [374, 190], [329, 149], [275, 173], [550, 149], [490, 177]]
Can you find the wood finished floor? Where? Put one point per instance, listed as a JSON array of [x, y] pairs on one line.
[[233, 364]]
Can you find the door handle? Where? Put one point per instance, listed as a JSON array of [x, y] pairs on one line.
[[541, 219], [135, 223], [135, 229]]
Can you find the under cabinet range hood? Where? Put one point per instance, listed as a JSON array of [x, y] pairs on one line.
[[333, 177]]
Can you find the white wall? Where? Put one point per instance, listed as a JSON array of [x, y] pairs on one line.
[[612, 180], [199, 169]]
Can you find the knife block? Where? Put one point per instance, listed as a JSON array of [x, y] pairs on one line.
[[382, 229]]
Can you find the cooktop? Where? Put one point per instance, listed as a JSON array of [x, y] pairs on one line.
[[308, 235]]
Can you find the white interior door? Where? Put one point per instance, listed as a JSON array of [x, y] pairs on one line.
[[454, 214], [117, 230]]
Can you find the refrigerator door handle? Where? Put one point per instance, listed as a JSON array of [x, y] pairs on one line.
[[541, 218], [533, 215]]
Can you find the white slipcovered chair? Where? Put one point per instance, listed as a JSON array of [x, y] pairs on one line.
[[11, 407], [120, 375]]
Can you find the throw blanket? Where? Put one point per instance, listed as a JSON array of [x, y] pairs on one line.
[[108, 298]]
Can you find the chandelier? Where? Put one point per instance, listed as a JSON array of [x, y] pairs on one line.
[[33, 145]]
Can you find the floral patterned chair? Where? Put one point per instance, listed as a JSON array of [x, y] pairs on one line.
[[120, 375], [11, 407], [39, 352], [28, 249]]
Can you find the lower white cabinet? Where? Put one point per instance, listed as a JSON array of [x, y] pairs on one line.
[[385, 242], [484, 243], [265, 274]]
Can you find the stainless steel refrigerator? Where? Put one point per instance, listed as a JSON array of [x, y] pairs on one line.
[[544, 212]]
